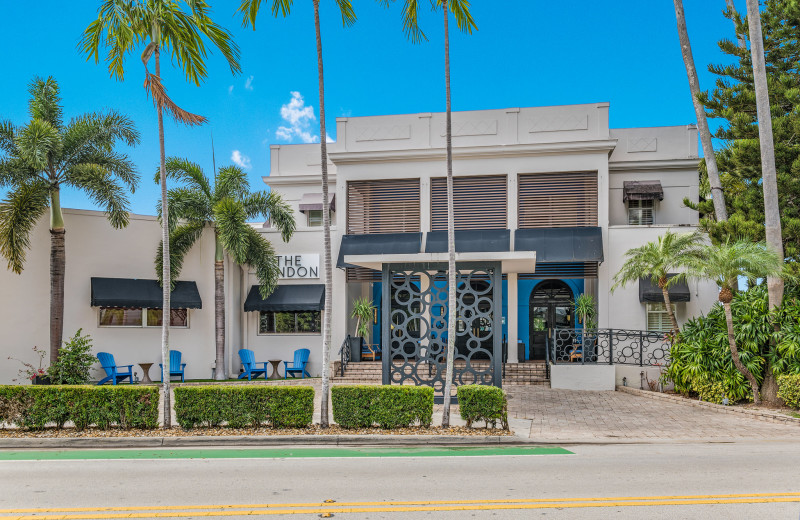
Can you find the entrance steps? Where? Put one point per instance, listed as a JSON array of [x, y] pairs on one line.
[[370, 373]]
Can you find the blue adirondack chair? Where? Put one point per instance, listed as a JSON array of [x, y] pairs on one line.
[[114, 373], [250, 366], [176, 368], [298, 366]]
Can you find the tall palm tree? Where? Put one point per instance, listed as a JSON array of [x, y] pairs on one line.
[[725, 263], [224, 207], [769, 176], [44, 155], [671, 253], [122, 26], [250, 10], [465, 23], [717, 196]]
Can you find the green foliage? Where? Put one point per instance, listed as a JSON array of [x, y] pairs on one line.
[[75, 359], [655, 260], [586, 310], [702, 355], [789, 389], [361, 406], [733, 101], [708, 390], [362, 312], [483, 403], [244, 405], [36, 407], [725, 262]]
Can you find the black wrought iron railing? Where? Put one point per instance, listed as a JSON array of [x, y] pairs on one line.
[[344, 355], [608, 346]]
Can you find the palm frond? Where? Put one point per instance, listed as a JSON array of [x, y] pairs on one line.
[[19, 212], [231, 224], [186, 204], [15, 171], [251, 8], [460, 10], [102, 189], [232, 182], [7, 132], [261, 256], [271, 206], [155, 88], [411, 26], [45, 102], [347, 11], [181, 240], [37, 143], [119, 28], [672, 253], [726, 262], [187, 172]]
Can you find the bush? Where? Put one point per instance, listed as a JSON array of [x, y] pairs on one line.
[[36, 407], [239, 406], [75, 359], [483, 403], [789, 390], [361, 406]]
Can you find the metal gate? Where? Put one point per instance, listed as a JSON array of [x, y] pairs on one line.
[[415, 313]]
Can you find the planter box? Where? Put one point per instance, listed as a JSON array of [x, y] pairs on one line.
[[355, 348]]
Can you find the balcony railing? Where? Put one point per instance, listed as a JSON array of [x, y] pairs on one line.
[[608, 346]]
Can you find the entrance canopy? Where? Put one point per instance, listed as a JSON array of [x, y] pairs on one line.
[[135, 293], [651, 293], [295, 297], [563, 244]]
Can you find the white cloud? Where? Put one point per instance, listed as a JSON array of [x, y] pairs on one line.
[[298, 118], [328, 138], [248, 85], [240, 160], [230, 89]]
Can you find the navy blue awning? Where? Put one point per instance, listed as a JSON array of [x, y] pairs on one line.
[[470, 241], [134, 293], [652, 293], [568, 244], [295, 297], [378, 244]]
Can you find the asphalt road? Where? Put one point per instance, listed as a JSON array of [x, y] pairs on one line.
[[709, 481]]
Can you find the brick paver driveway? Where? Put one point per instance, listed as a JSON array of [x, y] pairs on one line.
[[571, 415]]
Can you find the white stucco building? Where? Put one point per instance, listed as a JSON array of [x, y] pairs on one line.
[[547, 199]]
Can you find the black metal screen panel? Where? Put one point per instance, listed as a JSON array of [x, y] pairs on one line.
[[415, 315], [610, 346]]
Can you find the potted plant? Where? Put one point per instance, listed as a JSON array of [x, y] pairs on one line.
[[586, 311], [362, 312], [37, 375]]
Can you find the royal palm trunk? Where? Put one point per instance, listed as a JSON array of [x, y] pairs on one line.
[[451, 243], [219, 309], [326, 231], [58, 259], [165, 271]]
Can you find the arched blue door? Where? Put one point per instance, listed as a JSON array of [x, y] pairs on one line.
[[550, 307]]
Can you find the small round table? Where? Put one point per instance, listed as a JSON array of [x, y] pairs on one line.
[[275, 364], [145, 373]]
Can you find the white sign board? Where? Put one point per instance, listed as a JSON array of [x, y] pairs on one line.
[[298, 266]]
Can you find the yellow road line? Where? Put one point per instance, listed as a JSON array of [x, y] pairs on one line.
[[361, 507]]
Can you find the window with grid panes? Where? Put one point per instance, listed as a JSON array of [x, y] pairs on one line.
[[641, 213], [658, 317]]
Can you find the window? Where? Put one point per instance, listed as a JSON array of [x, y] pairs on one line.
[[314, 217], [299, 322], [641, 213], [658, 318], [133, 317], [566, 199], [479, 202], [383, 206]]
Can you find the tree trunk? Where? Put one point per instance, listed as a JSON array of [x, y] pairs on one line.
[[219, 309], [735, 354], [739, 37], [452, 311], [58, 260], [670, 311], [717, 196], [326, 232], [165, 272], [772, 215]]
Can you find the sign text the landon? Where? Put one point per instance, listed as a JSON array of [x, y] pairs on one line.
[[299, 266]]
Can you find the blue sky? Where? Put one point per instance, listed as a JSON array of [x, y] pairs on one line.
[[531, 53]]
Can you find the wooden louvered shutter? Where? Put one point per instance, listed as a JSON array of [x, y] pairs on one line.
[[557, 200], [479, 202], [383, 206]]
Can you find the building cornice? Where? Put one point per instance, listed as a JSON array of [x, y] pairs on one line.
[[475, 152], [661, 165], [294, 180]]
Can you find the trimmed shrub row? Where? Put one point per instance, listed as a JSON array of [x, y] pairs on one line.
[[35, 407], [483, 403], [789, 389], [361, 406], [239, 406]]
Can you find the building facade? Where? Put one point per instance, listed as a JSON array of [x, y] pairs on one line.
[[547, 201]]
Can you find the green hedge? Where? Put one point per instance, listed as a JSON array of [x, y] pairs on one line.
[[483, 403], [789, 389], [35, 407], [361, 406], [244, 405]]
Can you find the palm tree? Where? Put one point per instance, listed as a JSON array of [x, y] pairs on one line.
[[725, 263], [249, 10], [122, 26], [465, 23], [46, 154], [671, 253], [734, 16], [717, 196], [224, 207], [769, 177]]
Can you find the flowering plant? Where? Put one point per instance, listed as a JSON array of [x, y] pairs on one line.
[[28, 370]]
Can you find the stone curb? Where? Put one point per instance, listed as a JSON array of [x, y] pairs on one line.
[[264, 441], [761, 415]]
